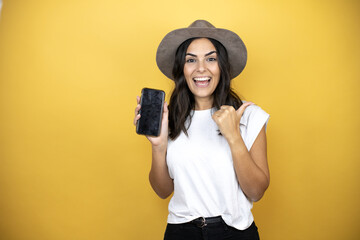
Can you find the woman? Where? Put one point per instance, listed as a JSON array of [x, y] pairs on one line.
[[211, 151]]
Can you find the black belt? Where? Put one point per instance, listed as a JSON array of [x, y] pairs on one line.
[[202, 222]]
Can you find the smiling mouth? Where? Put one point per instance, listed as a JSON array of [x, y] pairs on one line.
[[202, 81]]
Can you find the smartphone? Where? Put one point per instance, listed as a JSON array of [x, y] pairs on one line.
[[152, 102]]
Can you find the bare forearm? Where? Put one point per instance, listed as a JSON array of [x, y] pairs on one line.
[[250, 167], [159, 175], [252, 179]]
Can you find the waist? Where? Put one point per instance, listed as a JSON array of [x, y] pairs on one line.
[[202, 222]]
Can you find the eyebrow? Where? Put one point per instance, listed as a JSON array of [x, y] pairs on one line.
[[209, 53]]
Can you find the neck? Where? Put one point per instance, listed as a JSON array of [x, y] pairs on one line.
[[203, 104]]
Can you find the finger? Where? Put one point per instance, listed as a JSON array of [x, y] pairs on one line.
[[217, 115], [244, 106], [224, 108], [247, 104], [241, 109], [138, 99], [137, 117], [165, 117], [137, 109], [166, 109]]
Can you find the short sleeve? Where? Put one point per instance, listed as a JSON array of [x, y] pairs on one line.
[[252, 121]]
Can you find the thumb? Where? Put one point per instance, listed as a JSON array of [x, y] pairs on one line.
[[241, 109]]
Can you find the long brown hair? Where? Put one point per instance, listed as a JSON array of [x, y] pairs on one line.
[[182, 100]]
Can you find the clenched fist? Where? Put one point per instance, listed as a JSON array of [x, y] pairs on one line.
[[228, 120]]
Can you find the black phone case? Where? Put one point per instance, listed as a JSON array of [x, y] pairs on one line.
[[152, 101]]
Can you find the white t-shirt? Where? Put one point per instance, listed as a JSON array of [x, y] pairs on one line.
[[205, 183]]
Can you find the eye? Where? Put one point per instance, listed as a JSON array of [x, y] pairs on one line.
[[190, 60], [211, 59]]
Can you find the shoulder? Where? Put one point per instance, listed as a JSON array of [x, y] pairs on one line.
[[251, 122], [253, 114]]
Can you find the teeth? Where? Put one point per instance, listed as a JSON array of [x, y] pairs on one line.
[[202, 79]]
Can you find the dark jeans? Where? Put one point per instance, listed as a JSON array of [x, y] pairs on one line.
[[213, 231]]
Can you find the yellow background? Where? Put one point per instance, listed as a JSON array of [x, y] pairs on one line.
[[71, 165]]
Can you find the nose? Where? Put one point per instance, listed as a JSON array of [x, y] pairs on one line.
[[201, 66]]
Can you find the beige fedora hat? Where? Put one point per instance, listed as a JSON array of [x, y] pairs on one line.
[[165, 55]]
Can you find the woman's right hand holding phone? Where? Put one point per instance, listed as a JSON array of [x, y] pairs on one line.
[[159, 177], [158, 143]]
